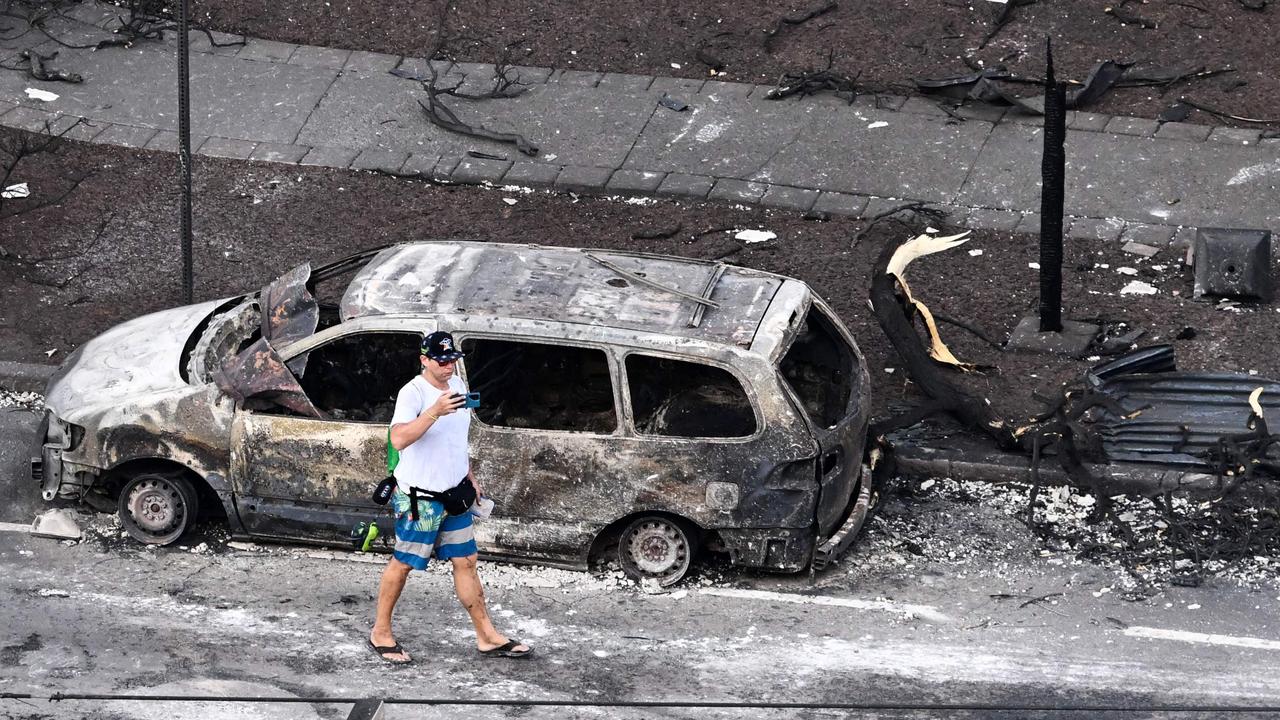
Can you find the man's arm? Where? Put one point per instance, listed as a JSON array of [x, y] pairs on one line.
[[405, 434]]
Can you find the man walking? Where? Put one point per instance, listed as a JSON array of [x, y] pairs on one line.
[[429, 429]]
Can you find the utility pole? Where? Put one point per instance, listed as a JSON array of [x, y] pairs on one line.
[[184, 146]]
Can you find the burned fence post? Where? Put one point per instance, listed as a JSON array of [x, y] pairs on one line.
[[1052, 179], [1048, 332]]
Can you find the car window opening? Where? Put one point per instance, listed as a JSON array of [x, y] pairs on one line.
[[819, 367], [543, 387], [676, 398], [357, 377]]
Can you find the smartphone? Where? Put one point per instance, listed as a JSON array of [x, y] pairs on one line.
[[473, 400]]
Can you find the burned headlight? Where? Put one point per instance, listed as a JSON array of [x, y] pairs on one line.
[[61, 434]]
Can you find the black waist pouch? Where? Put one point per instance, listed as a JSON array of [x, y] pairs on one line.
[[458, 499]]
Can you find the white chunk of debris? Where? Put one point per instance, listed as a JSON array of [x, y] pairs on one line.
[[13, 192], [58, 523], [877, 124], [1127, 271], [23, 400], [510, 201], [754, 236], [928, 484], [1142, 249], [975, 252], [1137, 287], [44, 95], [52, 592], [1033, 265]]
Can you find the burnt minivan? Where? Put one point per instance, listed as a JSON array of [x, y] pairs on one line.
[[632, 404]]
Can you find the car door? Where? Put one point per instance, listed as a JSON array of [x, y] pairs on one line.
[[546, 423], [311, 477]]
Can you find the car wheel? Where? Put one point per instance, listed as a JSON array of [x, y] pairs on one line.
[[657, 548], [157, 507]]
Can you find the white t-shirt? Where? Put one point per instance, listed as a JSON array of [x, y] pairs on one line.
[[439, 459]]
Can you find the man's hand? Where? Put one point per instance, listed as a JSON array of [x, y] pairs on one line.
[[446, 404]]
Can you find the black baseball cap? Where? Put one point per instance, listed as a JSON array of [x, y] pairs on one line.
[[439, 345]]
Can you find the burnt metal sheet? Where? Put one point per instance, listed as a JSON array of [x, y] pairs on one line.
[[290, 313], [260, 374], [562, 285], [1179, 416]]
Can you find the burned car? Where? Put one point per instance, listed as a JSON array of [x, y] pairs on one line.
[[646, 405]]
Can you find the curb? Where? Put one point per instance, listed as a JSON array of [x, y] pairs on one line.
[[995, 467], [25, 377]]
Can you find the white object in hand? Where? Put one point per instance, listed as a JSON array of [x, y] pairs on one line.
[[482, 507]]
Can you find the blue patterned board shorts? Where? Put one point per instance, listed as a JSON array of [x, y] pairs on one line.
[[450, 536]]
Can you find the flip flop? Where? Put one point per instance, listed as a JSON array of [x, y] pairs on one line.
[[383, 651], [508, 650]]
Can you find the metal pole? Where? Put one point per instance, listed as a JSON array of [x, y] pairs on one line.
[[1052, 191], [184, 146]]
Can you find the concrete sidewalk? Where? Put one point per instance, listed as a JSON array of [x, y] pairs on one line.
[[1127, 178]]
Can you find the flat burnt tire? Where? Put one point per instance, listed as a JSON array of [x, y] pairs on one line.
[[157, 508], [657, 548]]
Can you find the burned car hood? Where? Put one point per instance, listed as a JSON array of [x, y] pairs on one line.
[[134, 358]]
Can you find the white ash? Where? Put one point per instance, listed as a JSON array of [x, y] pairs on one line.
[[971, 527], [21, 400]]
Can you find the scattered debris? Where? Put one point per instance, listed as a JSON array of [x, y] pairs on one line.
[[754, 236], [43, 95], [59, 523], [1137, 287], [1143, 250], [1120, 12], [795, 19], [984, 85], [21, 400], [671, 103], [442, 116], [1222, 114], [36, 66], [811, 82]]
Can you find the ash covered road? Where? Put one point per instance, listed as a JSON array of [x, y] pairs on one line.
[[998, 626]]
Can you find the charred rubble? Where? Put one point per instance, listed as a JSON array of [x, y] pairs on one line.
[[1132, 433]]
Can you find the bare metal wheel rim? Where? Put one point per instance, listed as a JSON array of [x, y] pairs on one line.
[[157, 506], [658, 549]]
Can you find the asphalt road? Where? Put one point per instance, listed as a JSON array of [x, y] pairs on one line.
[[108, 616]]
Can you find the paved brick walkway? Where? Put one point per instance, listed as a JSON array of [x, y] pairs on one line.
[[1128, 178]]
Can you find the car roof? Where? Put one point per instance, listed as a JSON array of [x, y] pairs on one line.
[[610, 288]]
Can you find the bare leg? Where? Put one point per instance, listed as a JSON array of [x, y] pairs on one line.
[[466, 581], [394, 577]]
